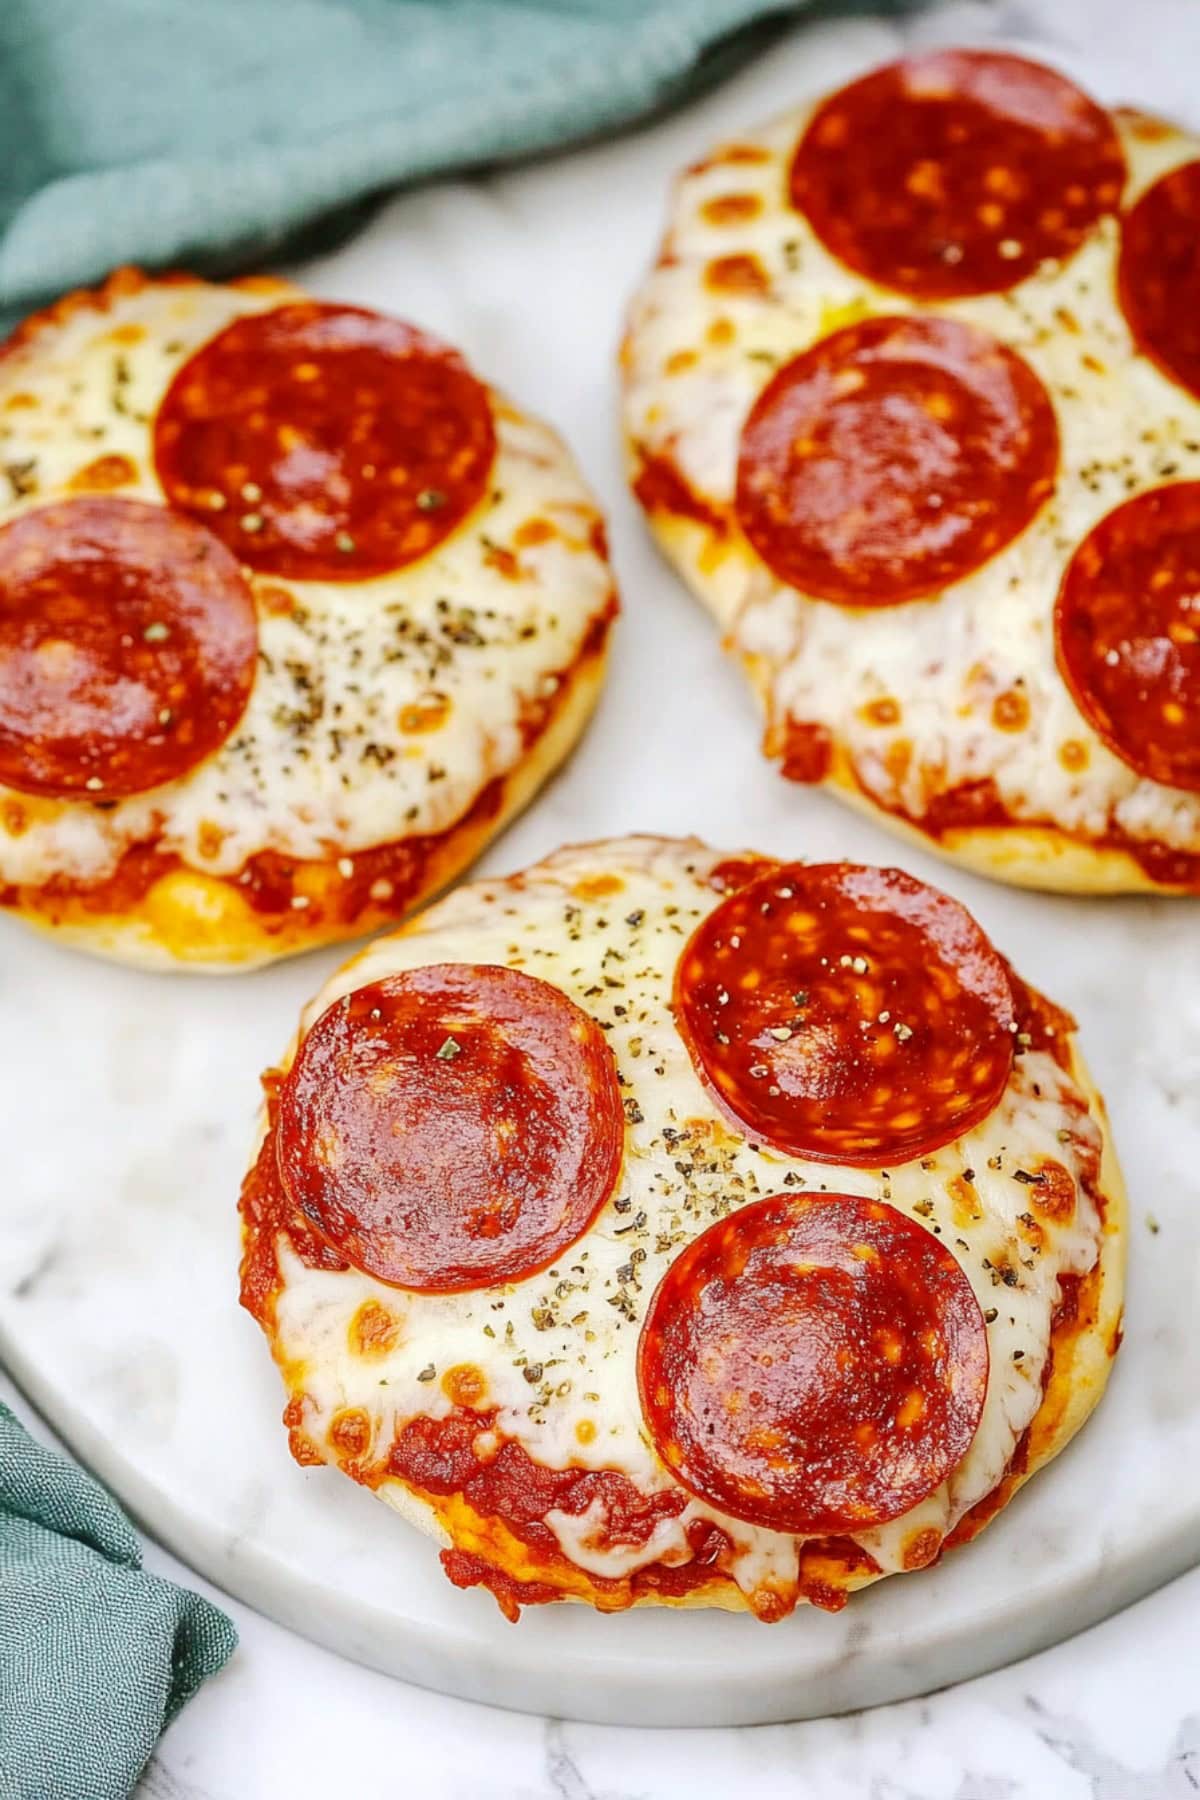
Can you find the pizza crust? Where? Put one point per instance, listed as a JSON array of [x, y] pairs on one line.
[[500, 630], [690, 377], [1083, 1346]]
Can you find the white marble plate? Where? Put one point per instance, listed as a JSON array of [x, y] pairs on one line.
[[128, 1103]]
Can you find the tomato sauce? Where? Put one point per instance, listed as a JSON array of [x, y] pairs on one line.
[[977, 806], [660, 487]]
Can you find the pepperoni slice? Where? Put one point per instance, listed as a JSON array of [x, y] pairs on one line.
[[956, 172], [325, 443], [1158, 274], [128, 646], [452, 1127], [813, 1363], [849, 1014], [1127, 626], [893, 459]]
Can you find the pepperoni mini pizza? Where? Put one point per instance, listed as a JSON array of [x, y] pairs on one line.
[[912, 400], [655, 1227], [295, 613]]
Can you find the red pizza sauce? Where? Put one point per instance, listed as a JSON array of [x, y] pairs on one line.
[[466, 1570], [451, 1127], [128, 648], [978, 806], [378, 885], [1127, 630], [1170, 868], [266, 1213], [807, 751], [439, 1457], [661, 487], [325, 443], [853, 1015], [956, 172], [813, 1363], [1158, 275], [1041, 1024], [893, 459]]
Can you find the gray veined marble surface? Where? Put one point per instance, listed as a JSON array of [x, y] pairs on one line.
[[131, 1193]]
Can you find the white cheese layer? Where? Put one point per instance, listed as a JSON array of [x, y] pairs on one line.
[[558, 1351], [323, 760], [698, 355]]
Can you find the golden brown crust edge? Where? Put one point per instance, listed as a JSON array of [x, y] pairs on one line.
[[199, 923], [119, 284], [1030, 856]]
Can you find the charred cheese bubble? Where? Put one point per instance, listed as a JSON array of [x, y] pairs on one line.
[[877, 401], [295, 613], [519, 1195]]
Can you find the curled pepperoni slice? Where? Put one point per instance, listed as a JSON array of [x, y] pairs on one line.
[[452, 1127], [849, 1014], [813, 1363], [325, 443], [1127, 625], [1158, 275], [128, 645], [956, 172], [894, 458]]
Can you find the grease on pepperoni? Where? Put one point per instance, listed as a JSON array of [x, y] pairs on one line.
[[956, 172], [452, 1127], [1127, 627], [1158, 274], [848, 1014], [894, 458], [325, 442], [813, 1363], [128, 647]]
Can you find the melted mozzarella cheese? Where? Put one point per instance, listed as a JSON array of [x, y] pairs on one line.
[[558, 1351], [698, 355], [381, 708]]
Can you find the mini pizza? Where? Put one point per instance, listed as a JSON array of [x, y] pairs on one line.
[[660, 1227], [295, 613], [912, 401]]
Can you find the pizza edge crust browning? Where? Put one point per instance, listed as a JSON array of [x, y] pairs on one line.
[[1083, 1344], [1041, 857], [118, 285]]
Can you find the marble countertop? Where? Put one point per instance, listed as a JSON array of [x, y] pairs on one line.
[[1114, 1714], [1111, 1715]]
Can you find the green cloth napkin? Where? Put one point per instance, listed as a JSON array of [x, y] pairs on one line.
[[213, 134], [96, 1655]]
